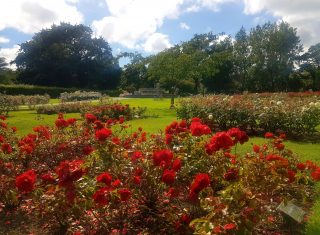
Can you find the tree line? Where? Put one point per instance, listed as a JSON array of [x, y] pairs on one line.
[[267, 58]]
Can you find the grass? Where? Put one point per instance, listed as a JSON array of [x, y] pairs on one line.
[[160, 116]]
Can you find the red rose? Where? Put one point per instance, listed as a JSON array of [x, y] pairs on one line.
[[87, 150], [6, 148], [25, 182], [301, 166], [162, 157], [176, 165], [105, 178], [256, 148], [229, 226], [90, 118], [201, 181], [47, 177], [101, 197], [291, 175], [103, 134], [168, 176], [268, 135], [316, 174], [231, 174], [125, 194]]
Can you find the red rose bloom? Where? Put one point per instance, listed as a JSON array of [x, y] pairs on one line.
[[301, 166], [121, 120], [90, 118], [229, 226], [168, 139], [268, 135], [136, 155], [137, 180], [256, 148], [221, 140], [316, 174], [201, 181], [125, 194], [238, 135], [105, 178], [162, 157], [103, 134], [69, 171], [176, 165], [101, 197], [231, 174], [168, 176], [291, 175], [25, 182], [47, 177], [87, 150], [6, 148]]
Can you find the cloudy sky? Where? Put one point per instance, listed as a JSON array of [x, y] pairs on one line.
[[149, 26]]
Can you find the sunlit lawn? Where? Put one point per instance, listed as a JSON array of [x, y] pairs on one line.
[[160, 115]]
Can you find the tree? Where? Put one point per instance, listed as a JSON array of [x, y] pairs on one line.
[[216, 68], [3, 64], [241, 57], [274, 50], [67, 55], [172, 69], [134, 74]]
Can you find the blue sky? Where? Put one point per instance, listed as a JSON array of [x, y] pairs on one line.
[[149, 26]]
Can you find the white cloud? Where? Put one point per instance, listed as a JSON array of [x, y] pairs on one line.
[[131, 22], [4, 40], [73, 1], [304, 15], [183, 25], [157, 42], [213, 5], [30, 16], [10, 54]]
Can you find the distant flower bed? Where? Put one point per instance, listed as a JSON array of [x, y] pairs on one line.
[[85, 178], [114, 111], [12, 102], [74, 107], [293, 114], [79, 95]]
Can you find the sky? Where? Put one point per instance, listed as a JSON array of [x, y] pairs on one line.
[[149, 26]]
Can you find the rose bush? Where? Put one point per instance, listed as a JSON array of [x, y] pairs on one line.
[[256, 113], [85, 178]]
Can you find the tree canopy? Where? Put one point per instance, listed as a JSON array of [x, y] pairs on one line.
[[67, 55]]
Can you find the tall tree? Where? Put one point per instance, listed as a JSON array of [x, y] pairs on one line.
[[134, 74], [274, 50], [172, 69], [242, 63], [67, 55]]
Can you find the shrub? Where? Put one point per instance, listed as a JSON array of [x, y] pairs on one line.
[[294, 115], [74, 107], [85, 178], [53, 92], [79, 96], [9, 103]]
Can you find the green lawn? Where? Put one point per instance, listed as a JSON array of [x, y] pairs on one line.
[[160, 116]]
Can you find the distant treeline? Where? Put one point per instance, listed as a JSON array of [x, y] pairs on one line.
[[268, 57]]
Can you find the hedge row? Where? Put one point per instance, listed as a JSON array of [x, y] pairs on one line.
[[53, 92], [255, 113]]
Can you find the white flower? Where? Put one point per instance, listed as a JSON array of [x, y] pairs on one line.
[[210, 116], [279, 103]]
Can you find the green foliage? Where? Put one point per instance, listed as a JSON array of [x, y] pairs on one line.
[[295, 116], [53, 92], [67, 56]]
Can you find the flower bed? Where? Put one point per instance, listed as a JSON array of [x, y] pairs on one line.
[[10, 102], [79, 96], [83, 178], [257, 113]]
